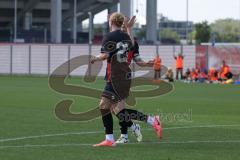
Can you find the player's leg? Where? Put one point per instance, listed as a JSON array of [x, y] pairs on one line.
[[155, 74], [159, 73], [104, 106], [125, 122], [177, 72], [154, 121], [125, 114], [181, 73]]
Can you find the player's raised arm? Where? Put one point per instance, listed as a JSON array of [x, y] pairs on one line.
[[128, 24]]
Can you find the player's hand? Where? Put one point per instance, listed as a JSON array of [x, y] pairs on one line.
[[129, 22], [93, 59]]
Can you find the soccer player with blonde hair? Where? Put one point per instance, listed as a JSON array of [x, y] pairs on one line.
[[115, 47]]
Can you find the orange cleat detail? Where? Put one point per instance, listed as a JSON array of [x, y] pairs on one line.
[[105, 143], [157, 127]]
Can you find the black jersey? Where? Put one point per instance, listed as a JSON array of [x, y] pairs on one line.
[[116, 42], [117, 45]]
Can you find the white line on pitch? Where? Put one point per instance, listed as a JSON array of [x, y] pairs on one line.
[[96, 132], [89, 145], [49, 135]]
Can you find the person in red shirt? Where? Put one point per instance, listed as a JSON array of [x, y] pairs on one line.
[[194, 75], [157, 67], [179, 65], [212, 75]]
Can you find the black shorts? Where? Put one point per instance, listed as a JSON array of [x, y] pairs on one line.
[[110, 93]]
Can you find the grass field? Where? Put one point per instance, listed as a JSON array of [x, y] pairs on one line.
[[29, 129]]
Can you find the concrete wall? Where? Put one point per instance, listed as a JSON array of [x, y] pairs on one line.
[[44, 58]]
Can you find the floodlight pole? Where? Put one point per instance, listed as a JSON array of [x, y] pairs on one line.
[[239, 20], [90, 33], [15, 20], [75, 22], [187, 21]]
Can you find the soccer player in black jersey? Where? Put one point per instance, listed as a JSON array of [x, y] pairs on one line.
[[115, 48], [133, 55]]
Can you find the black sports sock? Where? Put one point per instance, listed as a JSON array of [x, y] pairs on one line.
[[136, 115], [107, 120], [124, 121]]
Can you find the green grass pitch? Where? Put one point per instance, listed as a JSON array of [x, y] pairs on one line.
[[29, 129]]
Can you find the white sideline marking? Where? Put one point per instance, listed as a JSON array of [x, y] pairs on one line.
[[96, 132], [203, 126], [90, 145], [49, 135]]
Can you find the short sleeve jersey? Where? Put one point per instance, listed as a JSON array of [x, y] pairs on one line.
[[118, 44]]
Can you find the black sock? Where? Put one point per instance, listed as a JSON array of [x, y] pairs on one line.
[[124, 121], [136, 115], [107, 120]]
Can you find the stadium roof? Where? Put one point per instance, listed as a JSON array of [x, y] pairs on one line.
[[40, 10]]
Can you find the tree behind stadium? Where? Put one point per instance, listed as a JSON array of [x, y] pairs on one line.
[[203, 32]]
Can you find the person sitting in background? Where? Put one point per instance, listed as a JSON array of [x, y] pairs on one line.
[[224, 71], [202, 76], [169, 75], [194, 75], [212, 75], [187, 75], [229, 77]]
